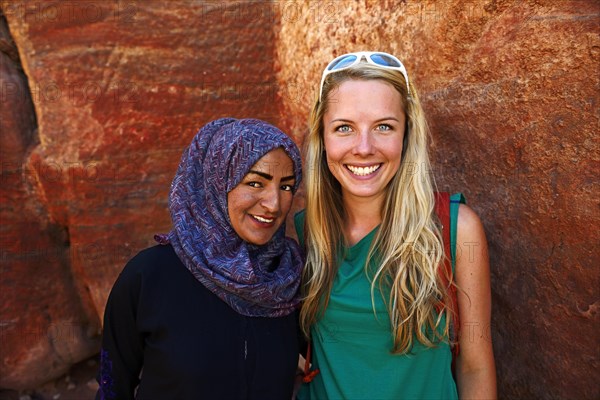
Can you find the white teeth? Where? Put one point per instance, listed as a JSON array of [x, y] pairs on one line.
[[362, 171], [261, 219]]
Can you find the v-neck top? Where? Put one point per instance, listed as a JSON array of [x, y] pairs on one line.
[[352, 343]]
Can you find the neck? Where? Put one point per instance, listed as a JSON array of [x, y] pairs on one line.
[[362, 216]]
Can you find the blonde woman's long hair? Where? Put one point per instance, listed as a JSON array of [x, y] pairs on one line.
[[407, 247]]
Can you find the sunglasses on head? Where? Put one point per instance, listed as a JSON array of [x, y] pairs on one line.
[[379, 59]]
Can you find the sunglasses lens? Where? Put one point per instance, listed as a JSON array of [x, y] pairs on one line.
[[342, 62], [384, 60]]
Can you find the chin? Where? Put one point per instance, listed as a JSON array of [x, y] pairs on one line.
[[258, 241]]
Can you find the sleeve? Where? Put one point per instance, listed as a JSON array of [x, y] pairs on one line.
[[455, 201], [121, 356], [302, 342]]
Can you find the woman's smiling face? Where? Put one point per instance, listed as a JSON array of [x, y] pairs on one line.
[[363, 133], [259, 204]]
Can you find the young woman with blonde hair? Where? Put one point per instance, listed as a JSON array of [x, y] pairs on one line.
[[376, 307]]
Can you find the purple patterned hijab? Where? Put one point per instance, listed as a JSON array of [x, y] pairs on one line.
[[258, 281]]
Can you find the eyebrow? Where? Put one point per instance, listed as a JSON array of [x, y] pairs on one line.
[[378, 120], [387, 119], [339, 120], [270, 177]]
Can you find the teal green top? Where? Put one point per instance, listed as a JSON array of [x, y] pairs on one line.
[[352, 345]]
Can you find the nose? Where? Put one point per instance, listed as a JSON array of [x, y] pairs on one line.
[[270, 200], [363, 144]]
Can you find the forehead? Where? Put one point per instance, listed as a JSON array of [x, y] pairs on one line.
[[276, 162], [365, 97]]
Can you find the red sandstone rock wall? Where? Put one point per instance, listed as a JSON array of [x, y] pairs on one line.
[[42, 318], [511, 91], [118, 88]]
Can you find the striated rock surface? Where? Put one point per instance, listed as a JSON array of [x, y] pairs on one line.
[[44, 327], [511, 91], [119, 88]]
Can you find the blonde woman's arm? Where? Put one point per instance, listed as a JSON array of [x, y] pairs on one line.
[[475, 367]]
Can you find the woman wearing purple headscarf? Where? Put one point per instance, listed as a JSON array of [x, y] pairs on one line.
[[209, 313]]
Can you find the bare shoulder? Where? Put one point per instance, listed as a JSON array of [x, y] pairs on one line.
[[469, 226], [472, 260]]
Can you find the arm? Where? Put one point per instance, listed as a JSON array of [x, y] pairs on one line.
[[475, 368], [122, 346]]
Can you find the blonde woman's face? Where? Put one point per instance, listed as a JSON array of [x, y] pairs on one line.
[[363, 130]]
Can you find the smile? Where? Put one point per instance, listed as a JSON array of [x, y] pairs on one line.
[[363, 171], [261, 219]]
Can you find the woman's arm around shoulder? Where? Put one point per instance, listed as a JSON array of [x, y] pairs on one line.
[[475, 367]]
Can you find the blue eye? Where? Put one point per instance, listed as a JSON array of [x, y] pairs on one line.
[[343, 128], [384, 127]]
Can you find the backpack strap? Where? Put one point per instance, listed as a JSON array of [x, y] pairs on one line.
[[446, 270]]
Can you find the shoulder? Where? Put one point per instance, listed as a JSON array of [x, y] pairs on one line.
[[299, 219], [469, 224], [148, 262], [472, 259], [154, 254], [147, 270]]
